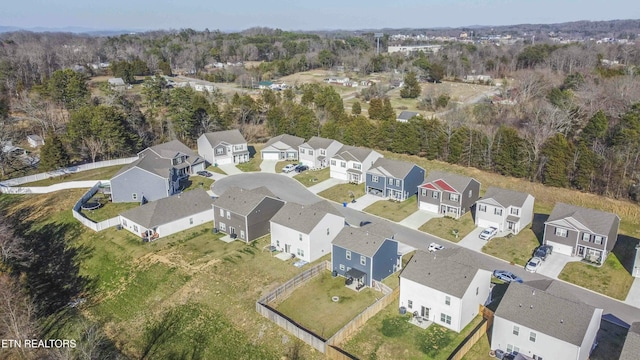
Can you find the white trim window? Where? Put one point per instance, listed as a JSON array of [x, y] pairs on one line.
[[348, 255], [444, 318], [482, 208], [410, 304], [597, 239], [219, 151], [532, 336], [447, 300], [435, 194], [310, 152], [497, 211], [586, 237], [333, 163], [343, 164], [302, 151], [561, 232], [134, 196], [516, 330], [363, 260], [454, 197], [423, 192], [374, 178], [341, 267], [515, 211]]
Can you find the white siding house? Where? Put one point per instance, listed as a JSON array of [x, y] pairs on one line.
[[507, 210], [223, 147], [352, 163], [316, 152]]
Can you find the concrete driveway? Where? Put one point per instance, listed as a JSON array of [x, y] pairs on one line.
[[268, 166], [324, 185], [418, 218], [230, 169], [283, 187], [364, 201], [633, 297], [472, 241], [554, 264]]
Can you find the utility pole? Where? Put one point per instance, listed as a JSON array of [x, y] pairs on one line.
[[378, 36]]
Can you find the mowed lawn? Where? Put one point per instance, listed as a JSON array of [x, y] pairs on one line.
[[254, 162], [313, 177], [343, 192], [516, 248], [449, 228], [104, 173], [393, 210], [312, 306]]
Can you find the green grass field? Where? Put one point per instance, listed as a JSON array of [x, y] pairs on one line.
[[517, 248], [343, 192], [104, 173], [449, 228], [393, 210], [313, 177]]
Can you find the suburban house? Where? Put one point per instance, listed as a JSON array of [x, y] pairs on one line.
[[406, 115], [365, 254], [631, 347], [35, 140], [539, 320], [351, 163], [444, 288], [223, 147], [306, 231], [505, 210], [160, 171], [163, 217], [282, 147], [245, 214], [393, 179], [577, 231], [316, 152], [448, 194]]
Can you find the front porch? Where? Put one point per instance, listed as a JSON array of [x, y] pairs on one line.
[[451, 211], [591, 255]]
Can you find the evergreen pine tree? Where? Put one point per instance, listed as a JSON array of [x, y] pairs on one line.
[[53, 154], [411, 88]]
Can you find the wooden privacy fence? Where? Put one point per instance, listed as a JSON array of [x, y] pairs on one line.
[[475, 335], [284, 290]]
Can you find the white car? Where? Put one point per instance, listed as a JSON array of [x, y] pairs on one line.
[[533, 265], [488, 233], [289, 168], [435, 247]]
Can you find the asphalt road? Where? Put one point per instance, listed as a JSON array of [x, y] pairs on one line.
[[290, 190]]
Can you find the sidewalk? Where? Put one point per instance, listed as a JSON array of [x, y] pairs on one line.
[[324, 185]]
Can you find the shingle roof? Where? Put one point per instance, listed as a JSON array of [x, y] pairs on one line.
[[172, 208], [631, 348], [597, 221], [353, 153], [457, 182], [505, 197], [365, 240], [390, 167], [158, 159], [406, 115], [289, 140], [545, 312], [171, 149], [303, 218], [317, 142], [445, 270], [242, 201], [227, 136]]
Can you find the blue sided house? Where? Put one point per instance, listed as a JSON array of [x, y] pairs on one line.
[[394, 179]]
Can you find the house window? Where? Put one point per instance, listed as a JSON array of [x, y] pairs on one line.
[[223, 227], [190, 221], [410, 304], [135, 228], [300, 237], [343, 164], [511, 348], [482, 208], [277, 243], [219, 151], [228, 214], [423, 192], [515, 211], [124, 222], [348, 255], [561, 232], [310, 152], [300, 252], [532, 336], [341, 267], [241, 234], [390, 181], [434, 194], [536, 357], [445, 318], [597, 239], [447, 300], [363, 260], [222, 212], [497, 211], [586, 237], [238, 147], [516, 330], [470, 192], [374, 178], [477, 290], [328, 231], [357, 166], [454, 197], [397, 182], [134, 196], [301, 151], [333, 163]]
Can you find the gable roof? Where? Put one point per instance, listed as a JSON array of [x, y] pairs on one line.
[[116, 81], [445, 181], [596, 221], [317, 142], [631, 347], [156, 213], [158, 159], [304, 218], [546, 312], [227, 136], [242, 201], [288, 140], [406, 115], [446, 271], [505, 197], [352, 153], [391, 168], [365, 240]]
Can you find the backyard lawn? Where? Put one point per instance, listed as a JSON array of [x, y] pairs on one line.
[[108, 210], [449, 228], [312, 307], [312, 177], [104, 173], [393, 210], [254, 163], [343, 192], [516, 248]]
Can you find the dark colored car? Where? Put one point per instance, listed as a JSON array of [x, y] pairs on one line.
[[300, 168], [506, 276], [204, 173], [543, 251]]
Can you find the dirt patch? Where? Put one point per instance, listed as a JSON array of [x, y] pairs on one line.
[[174, 260]]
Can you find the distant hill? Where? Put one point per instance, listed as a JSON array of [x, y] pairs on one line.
[[70, 29]]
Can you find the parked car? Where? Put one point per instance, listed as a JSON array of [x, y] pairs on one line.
[[204, 173], [435, 247], [506, 276], [543, 251], [488, 233], [533, 264], [289, 168], [300, 168]]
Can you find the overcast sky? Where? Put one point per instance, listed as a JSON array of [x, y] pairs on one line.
[[230, 15]]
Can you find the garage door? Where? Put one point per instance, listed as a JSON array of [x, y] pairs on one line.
[[270, 155], [561, 248], [428, 207], [484, 223]]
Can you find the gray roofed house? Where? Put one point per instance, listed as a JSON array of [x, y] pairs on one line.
[[577, 231], [116, 82], [306, 231], [444, 287], [631, 348], [506, 210], [448, 194], [160, 171], [542, 323], [393, 179], [351, 163], [406, 115], [245, 214], [223, 147], [316, 152], [169, 215], [366, 254], [282, 147]]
